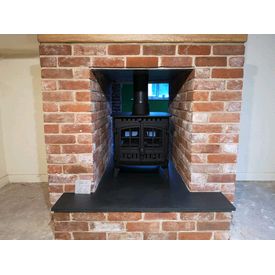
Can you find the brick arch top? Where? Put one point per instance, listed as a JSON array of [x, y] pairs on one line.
[[142, 38]]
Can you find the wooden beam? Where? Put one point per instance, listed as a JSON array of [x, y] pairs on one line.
[[142, 38]]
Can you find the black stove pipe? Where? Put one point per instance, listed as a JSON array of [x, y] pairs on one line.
[[141, 104]]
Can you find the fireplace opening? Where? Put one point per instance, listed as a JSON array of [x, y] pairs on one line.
[[142, 182], [143, 116]]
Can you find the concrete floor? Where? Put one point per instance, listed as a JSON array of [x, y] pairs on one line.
[[254, 218], [25, 214]]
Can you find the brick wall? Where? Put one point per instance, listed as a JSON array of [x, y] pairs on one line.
[[206, 115], [206, 110], [142, 226]]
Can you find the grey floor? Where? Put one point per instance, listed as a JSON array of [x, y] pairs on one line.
[[25, 214]]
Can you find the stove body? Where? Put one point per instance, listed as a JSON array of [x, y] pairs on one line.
[[141, 140]]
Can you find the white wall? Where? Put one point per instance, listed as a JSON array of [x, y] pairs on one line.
[[22, 119], [256, 157], [3, 168]]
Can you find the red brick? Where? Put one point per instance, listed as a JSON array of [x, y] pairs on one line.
[[58, 216], [221, 235], [234, 84], [76, 169], [55, 50], [206, 128], [62, 178], [205, 168], [59, 139], [89, 49], [205, 226], [224, 216], [57, 96], [83, 96], [178, 226], [143, 226], [75, 107], [84, 118], [61, 159], [232, 128], [74, 85], [54, 169], [57, 73], [84, 139], [160, 236], [226, 96], [48, 85], [197, 96], [236, 61], [125, 236], [211, 61], [108, 62], [76, 128], [51, 128], [194, 49], [202, 72], [160, 216], [124, 49], [77, 149], [221, 178], [197, 216], [71, 226], [207, 107], [227, 73], [141, 62], [59, 118], [48, 61], [122, 216], [176, 61], [195, 158], [54, 188], [69, 188], [228, 49], [82, 73], [88, 216], [225, 117], [89, 236], [209, 85], [62, 236], [50, 107], [205, 148], [233, 107], [73, 61], [195, 235], [224, 138], [159, 49], [53, 149], [222, 158]]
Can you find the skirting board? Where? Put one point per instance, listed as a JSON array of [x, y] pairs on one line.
[[4, 180], [28, 178], [255, 176]]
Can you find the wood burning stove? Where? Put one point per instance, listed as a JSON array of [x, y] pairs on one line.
[[141, 137]]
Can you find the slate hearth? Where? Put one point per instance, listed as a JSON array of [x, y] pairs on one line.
[[143, 189]]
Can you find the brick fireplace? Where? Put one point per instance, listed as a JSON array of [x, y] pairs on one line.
[[205, 108]]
